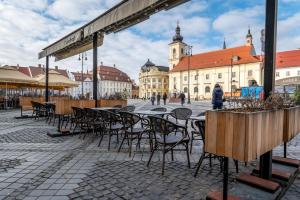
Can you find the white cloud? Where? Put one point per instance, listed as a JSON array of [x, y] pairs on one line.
[[234, 25]]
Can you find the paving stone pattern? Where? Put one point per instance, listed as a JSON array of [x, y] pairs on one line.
[[36, 166]]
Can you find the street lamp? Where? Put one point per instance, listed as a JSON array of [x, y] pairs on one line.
[[189, 53], [82, 59]]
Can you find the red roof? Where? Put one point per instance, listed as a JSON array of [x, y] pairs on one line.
[[78, 75], [24, 70], [112, 74], [288, 59], [217, 58], [35, 71]]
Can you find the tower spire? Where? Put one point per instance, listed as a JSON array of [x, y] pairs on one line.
[[224, 44], [177, 37], [249, 38]]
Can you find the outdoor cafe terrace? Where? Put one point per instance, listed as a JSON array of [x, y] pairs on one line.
[[89, 164]]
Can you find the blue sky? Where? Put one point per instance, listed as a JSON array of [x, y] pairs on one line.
[[26, 26]]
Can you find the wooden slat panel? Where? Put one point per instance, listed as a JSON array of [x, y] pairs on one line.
[[211, 132], [229, 134], [221, 123], [239, 136]]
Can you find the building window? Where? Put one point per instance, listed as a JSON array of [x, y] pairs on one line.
[[174, 53], [250, 73], [159, 80], [185, 90], [182, 50], [219, 75], [196, 90], [196, 78], [185, 78], [298, 73], [277, 74], [233, 74], [207, 76], [207, 89], [175, 87], [288, 73], [174, 79], [153, 80]]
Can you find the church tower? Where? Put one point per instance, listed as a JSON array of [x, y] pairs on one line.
[[176, 48], [249, 38]]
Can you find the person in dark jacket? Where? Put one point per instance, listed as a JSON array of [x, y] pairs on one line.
[[182, 98], [152, 99], [217, 97], [158, 99], [165, 96]]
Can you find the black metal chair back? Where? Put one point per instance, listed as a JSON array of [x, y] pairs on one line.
[[161, 126], [160, 109], [129, 119], [182, 114]]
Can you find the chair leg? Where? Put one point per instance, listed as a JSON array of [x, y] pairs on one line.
[[154, 149], [130, 145], [163, 161], [172, 154], [101, 138], [210, 165], [122, 142], [199, 163], [188, 154], [109, 139], [192, 139]]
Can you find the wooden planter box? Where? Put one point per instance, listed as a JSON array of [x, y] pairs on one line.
[[111, 103], [291, 126], [243, 136], [64, 107]]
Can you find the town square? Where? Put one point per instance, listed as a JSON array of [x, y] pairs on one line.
[[149, 99]]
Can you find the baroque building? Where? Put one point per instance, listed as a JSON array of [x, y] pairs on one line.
[[232, 68], [153, 80]]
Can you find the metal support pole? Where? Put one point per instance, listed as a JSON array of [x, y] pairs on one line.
[[95, 63], [269, 73], [47, 80], [284, 149], [225, 178], [82, 91]]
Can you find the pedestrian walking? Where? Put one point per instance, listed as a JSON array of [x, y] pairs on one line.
[[165, 96], [217, 97], [152, 99], [182, 98], [158, 99]]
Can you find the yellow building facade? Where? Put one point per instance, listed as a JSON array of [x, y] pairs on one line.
[[153, 80]]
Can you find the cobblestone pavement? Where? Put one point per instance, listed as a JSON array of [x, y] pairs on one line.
[[35, 166]]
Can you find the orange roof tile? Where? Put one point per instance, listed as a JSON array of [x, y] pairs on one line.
[[288, 59], [217, 58]]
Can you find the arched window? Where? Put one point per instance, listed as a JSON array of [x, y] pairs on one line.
[[196, 90], [207, 89], [185, 90], [174, 53]]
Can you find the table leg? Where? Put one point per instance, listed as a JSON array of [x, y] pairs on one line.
[[225, 178], [59, 122]]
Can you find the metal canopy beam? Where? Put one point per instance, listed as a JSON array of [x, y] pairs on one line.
[[125, 14]]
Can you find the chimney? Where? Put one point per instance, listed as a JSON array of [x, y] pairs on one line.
[[101, 63], [114, 65], [39, 65], [56, 67]]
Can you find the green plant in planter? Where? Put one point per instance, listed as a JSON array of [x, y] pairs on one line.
[[297, 97]]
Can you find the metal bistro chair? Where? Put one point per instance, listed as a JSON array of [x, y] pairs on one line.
[[181, 114], [39, 110], [201, 128], [167, 138], [132, 130], [93, 122], [112, 125], [78, 119]]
